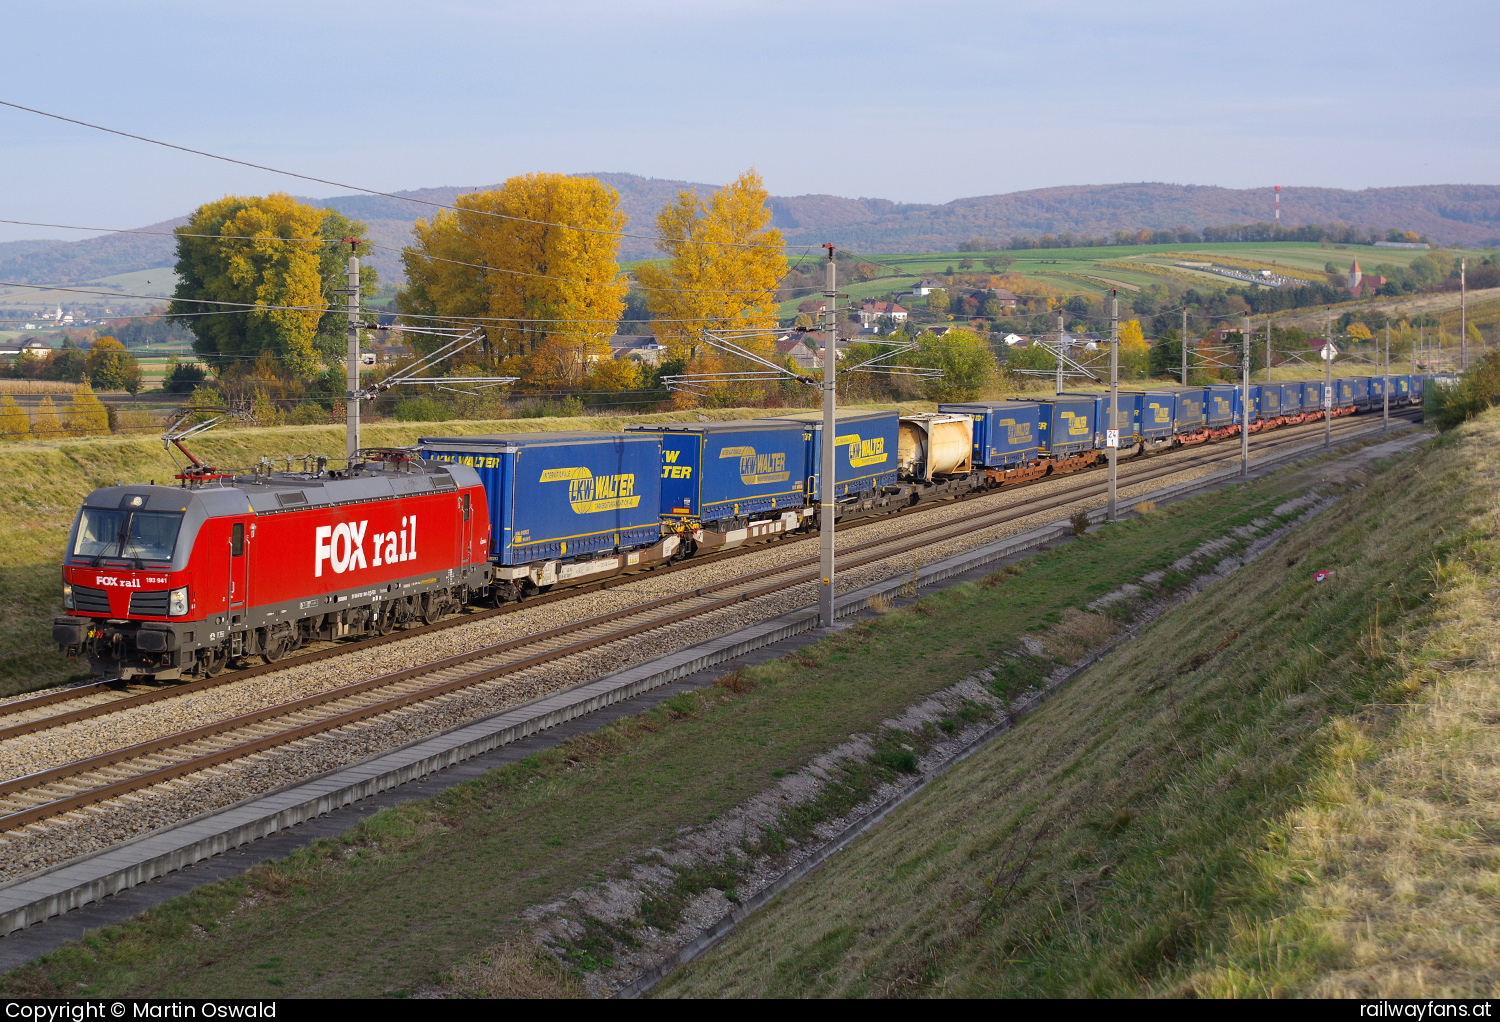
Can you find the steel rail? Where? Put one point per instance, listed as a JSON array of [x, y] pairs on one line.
[[337, 649], [218, 757]]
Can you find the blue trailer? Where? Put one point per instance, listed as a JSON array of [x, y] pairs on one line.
[[1401, 389], [1067, 425], [1417, 382], [1006, 433], [1190, 408], [1156, 417], [714, 470], [1312, 396], [1130, 414], [565, 494], [1291, 399], [1267, 400], [865, 446], [1223, 403], [1345, 394]]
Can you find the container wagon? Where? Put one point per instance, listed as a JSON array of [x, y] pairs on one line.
[[564, 506], [724, 484]]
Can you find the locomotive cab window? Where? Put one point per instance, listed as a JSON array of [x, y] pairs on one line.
[[126, 535], [237, 540]]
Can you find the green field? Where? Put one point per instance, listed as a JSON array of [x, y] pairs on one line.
[[1085, 269]]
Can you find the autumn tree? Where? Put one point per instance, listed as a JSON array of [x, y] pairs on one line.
[[1358, 331], [937, 301], [1135, 353], [111, 367], [46, 425], [270, 251], [540, 253], [15, 424], [86, 416], [723, 264], [966, 361]]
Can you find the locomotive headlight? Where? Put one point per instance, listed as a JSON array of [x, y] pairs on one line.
[[67, 596], [177, 604]]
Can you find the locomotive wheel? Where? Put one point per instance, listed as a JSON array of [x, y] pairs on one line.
[[432, 608], [275, 649], [381, 620], [211, 661]]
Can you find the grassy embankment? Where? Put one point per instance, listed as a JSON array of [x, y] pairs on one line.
[[45, 482], [1282, 788], [431, 893]]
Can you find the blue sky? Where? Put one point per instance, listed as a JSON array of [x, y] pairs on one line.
[[914, 102]]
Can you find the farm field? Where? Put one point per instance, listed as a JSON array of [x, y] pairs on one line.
[[1075, 269]]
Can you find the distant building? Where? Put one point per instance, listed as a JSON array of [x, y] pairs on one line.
[[871, 313], [926, 287], [1013, 339], [1005, 297], [645, 347], [1402, 244], [796, 348], [1355, 276]]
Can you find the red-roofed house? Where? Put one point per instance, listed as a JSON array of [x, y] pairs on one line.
[[871, 313]]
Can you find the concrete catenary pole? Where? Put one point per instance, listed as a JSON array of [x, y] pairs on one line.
[[1059, 349], [1184, 347], [1328, 385], [1113, 442], [1268, 349], [1463, 314], [1245, 398], [1385, 386], [828, 501], [351, 310]]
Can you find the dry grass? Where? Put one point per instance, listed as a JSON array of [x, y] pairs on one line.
[[1283, 787], [513, 969], [1392, 867], [36, 387]]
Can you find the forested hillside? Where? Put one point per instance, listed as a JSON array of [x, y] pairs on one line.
[[1467, 214]]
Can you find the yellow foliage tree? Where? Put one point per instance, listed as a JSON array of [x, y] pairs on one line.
[[46, 425], [15, 424], [1358, 331], [502, 255], [1132, 338], [265, 263], [722, 269], [86, 416]]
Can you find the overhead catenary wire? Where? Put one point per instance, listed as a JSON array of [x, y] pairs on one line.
[[367, 191]]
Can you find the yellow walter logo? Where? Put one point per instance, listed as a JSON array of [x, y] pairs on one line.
[[590, 494], [1016, 432], [863, 452], [758, 469], [1078, 425]]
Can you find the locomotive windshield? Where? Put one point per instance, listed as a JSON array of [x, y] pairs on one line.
[[137, 535]]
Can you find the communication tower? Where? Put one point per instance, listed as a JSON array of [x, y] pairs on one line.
[[1278, 205]]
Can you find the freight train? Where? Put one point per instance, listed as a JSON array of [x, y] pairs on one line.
[[170, 582]]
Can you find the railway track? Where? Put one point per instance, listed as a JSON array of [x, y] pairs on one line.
[[30, 799]]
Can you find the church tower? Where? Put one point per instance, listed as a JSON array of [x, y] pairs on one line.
[[1355, 276]]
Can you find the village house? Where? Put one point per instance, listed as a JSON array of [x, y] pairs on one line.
[[796, 348], [644, 347], [871, 313]]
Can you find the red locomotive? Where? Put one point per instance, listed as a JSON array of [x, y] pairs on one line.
[[175, 581]]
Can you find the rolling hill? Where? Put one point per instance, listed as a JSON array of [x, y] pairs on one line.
[[1464, 214]]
